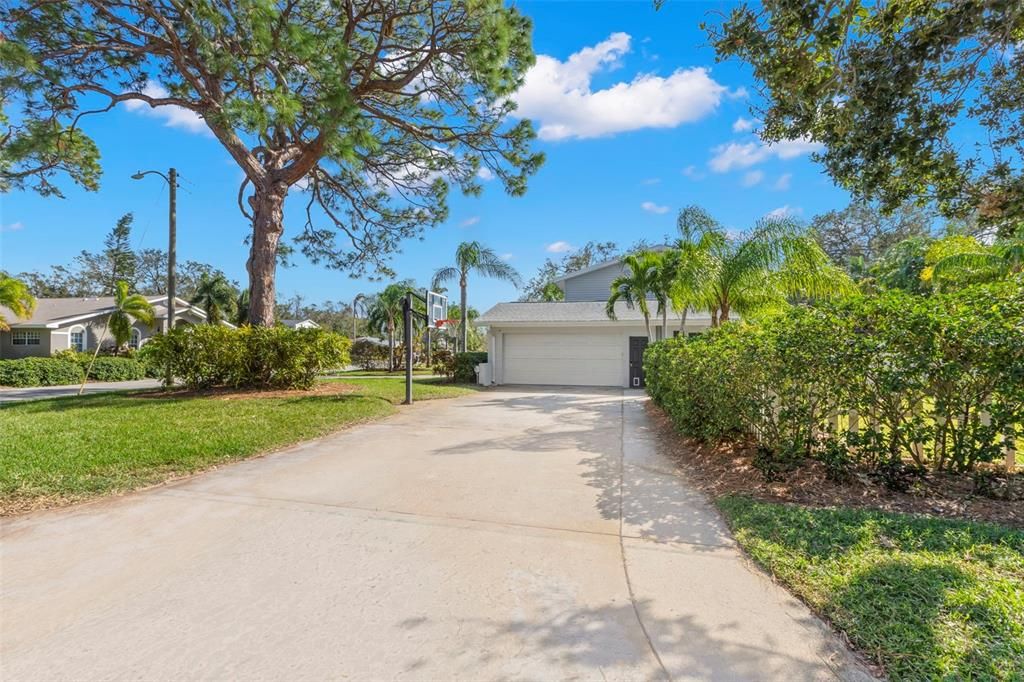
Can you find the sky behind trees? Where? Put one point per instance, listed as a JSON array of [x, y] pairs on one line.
[[633, 113]]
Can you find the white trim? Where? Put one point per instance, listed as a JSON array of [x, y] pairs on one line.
[[131, 335]]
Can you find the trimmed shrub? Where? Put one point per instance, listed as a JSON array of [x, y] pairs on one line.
[[935, 381], [464, 371], [28, 372], [369, 355], [205, 356], [107, 367]]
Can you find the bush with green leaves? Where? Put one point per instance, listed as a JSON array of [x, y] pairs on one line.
[[28, 372], [207, 356], [934, 381], [107, 367], [464, 370], [369, 355]]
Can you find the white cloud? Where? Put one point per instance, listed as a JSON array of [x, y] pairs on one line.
[[786, 211], [559, 96], [485, 174], [12, 227], [692, 173], [742, 125], [652, 207], [470, 222], [506, 257], [783, 182], [753, 178], [175, 116], [735, 155], [559, 247]]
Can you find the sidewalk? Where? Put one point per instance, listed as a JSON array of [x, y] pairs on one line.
[[12, 395]]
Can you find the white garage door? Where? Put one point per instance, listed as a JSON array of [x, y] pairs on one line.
[[574, 359]]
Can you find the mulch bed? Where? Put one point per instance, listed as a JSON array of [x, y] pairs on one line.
[[727, 469], [322, 388]]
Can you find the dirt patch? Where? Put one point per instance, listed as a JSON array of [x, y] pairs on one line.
[[322, 388], [728, 469]]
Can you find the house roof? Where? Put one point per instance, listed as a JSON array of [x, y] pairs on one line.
[[56, 312], [292, 324], [569, 312]]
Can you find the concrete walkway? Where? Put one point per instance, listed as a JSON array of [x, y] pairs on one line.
[[11, 395], [506, 535]]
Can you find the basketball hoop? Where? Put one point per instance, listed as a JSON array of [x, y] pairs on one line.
[[441, 323]]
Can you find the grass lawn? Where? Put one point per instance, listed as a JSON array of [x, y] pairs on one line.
[[64, 450], [417, 371], [928, 599]]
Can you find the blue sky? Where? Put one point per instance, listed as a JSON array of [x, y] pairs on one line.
[[636, 119]]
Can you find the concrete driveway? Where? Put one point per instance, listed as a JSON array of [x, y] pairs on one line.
[[507, 535]]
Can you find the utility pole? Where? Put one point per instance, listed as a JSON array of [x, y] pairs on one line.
[[172, 246]]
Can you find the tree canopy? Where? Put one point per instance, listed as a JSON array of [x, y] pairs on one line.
[[371, 107], [885, 85]]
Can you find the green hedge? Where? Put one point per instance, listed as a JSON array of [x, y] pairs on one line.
[[369, 355], [919, 371], [28, 372], [458, 367], [108, 367], [204, 356]]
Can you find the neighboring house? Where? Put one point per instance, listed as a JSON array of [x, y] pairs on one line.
[[300, 324], [61, 323], [573, 342]]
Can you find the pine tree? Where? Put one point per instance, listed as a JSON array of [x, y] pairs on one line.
[[119, 254]]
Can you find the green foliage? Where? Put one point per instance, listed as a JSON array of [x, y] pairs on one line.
[[465, 366], [28, 372], [928, 599], [217, 297], [919, 371], [883, 85], [15, 296], [208, 356], [119, 255], [369, 355]]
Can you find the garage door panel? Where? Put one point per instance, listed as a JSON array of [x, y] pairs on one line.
[[583, 359]]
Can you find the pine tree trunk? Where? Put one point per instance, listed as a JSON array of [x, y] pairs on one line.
[[267, 227], [464, 327]]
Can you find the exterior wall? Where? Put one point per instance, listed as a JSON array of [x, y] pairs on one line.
[[592, 286], [8, 351]]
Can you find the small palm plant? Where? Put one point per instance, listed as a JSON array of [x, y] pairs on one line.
[[980, 263], [383, 313], [473, 257], [242, 308], [644, 276], [127, 306], [215, 295], [15, 296]]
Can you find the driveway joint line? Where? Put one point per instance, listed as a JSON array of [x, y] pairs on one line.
[[622, 541]]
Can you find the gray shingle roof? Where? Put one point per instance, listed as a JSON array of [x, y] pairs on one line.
[[562, 311], [50, 311]]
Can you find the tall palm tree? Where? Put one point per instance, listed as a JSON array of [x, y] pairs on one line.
[[474, 257], [127, 306], [215, 295], [15, 296], [384, 313], [643, 276], [701, 236], [777, 261]]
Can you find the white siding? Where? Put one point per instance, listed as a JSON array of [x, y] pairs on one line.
[[576, 358]]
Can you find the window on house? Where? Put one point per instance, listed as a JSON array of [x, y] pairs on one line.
[[135, 340], [25, 337], [78, 339]]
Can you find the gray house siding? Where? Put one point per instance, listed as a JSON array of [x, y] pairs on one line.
[[592, 286], [8, 351]]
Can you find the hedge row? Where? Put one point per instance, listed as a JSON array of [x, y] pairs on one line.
[[936, 382], [28, 372], [107, 367], [206, 356], [458, 367]]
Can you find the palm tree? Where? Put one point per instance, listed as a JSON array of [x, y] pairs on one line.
[[119, 322], [981, 264], [242, 307], [761, 271], [474, 257], [215, 295], [701, 237], [15, 296], [644, 277], [384, 312]]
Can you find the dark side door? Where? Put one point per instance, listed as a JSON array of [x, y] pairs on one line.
[[637, 346]]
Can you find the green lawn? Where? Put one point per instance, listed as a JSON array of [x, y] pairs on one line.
[[928, 599], [65, 450], [417, 371]]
